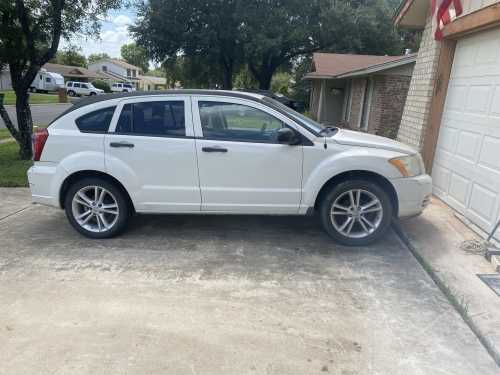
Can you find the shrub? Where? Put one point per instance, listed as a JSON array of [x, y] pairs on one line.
[[103, 85]]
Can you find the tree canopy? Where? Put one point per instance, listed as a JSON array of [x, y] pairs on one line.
[[30, 31], [71, 55], [94, 57], [135, 55], [261, 36]]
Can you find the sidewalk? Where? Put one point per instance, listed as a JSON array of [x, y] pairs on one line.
[[435, 238]]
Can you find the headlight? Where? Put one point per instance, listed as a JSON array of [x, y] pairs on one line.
[[409, 166]]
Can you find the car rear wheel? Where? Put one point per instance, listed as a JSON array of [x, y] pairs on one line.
[[96, 208], [356, 213]]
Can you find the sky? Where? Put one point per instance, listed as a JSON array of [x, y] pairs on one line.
[[112, 36]]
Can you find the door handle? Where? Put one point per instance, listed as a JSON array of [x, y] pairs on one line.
[[121, 144], [213, 149]]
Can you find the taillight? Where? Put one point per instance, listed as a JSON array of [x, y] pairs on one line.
[[39, 139]]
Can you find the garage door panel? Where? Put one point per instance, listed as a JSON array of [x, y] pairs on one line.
[[459, 188], [478, 99], [489, 155], [467, 160], [467, 146], [482, 204]]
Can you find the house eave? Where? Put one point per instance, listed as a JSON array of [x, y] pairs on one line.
[[380, 67], [411, 14]]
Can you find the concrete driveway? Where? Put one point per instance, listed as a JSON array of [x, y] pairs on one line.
[[218, 295]]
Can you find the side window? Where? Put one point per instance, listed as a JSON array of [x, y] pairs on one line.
[[47, 79], [84, 86], [165, 118], [237, 122], [70, 84], [96, 121], [76, 84]]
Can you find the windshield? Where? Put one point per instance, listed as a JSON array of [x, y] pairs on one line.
[[308, 123]]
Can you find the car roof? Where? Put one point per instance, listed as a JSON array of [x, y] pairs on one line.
[[102, 98]]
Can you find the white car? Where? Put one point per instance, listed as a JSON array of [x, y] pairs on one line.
[[82, 89], [122, 87], [206, 152]]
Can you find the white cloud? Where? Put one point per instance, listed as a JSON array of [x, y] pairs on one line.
[[113, 35]]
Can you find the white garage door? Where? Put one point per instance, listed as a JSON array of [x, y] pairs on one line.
[[466, 168]]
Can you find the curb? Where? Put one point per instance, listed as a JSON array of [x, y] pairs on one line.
[[487, 344]]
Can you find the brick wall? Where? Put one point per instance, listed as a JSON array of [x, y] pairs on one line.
[[418, 102], [388, 101]]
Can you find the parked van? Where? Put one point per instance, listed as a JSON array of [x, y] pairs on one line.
[[46, 81]]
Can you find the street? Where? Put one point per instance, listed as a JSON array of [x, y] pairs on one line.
[[185, 294], [42, 114]]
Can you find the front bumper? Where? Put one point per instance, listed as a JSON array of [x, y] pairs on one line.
[[413, 193]]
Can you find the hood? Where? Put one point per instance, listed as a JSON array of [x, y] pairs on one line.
[[353, 138]]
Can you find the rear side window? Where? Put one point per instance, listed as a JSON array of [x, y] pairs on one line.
[[165, 118], [96, 121]]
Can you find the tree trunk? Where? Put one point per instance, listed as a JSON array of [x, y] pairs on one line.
[[265, 80], [24, 124]]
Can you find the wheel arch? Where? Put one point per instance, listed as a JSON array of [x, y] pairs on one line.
[[382, 181], [72, 178]]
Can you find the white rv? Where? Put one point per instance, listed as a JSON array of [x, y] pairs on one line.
[[46, 81]]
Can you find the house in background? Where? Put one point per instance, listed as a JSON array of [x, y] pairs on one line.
[[452, 113], [73, 73], [361, 92], [148, 83], [117, 70]]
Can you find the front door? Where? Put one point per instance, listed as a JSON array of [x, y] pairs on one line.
[[242, 167], [151, 149]]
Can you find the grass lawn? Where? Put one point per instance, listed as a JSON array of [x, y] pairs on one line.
[[4, 134], [12, 169], [35, 98]]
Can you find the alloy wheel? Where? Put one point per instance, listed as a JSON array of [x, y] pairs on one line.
[[356, 213], [95, 209]]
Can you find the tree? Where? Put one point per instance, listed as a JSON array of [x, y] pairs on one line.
[[135, 55], [30, 32], [71, 55], [94, 57], [204, 32]]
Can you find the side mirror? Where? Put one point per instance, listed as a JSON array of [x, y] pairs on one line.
[[287, 136]]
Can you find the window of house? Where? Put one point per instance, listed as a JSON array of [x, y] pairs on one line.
[[237, 122], [128, 72], [47, 79], [104, 68], [161, 118], [134, 72], [96, 121], [367, 99]]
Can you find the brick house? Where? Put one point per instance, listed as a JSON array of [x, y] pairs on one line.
[[361, 92], [452, 112]]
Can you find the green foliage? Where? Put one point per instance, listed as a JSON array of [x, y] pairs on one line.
[[103, 85], [71, 55], [94, 57], [30, 31], [13, 168], [229, 38], [135, 55], [281, 83]]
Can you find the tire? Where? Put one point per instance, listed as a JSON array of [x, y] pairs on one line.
[[94, 224], [71, 93], [352, 227], [92, 94]]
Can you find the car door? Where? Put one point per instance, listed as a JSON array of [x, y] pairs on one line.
[[85, 89], [152, 149], [242, 167]]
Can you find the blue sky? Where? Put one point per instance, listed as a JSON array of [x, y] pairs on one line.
[[112, 36]]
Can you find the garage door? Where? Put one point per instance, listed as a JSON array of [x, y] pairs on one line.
[[466, 168]]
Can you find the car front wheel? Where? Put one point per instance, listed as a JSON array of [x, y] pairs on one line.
[[356, 213], [96, 208]]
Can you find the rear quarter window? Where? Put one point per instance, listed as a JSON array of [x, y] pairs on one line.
[[97, 121]]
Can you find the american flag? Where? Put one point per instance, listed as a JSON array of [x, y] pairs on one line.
[[443, 12]]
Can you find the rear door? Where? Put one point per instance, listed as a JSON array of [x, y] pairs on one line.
[[151, 149], [242, 167]]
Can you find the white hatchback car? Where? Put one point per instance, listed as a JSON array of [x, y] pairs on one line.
[[201, 151]]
